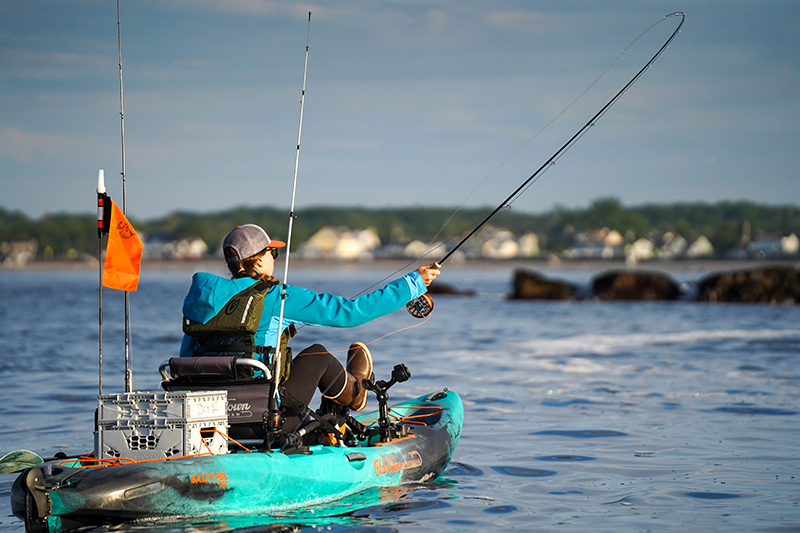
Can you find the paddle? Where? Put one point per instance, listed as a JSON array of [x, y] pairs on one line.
[[18, 461]]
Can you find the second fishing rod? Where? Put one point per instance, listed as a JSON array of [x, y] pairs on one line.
[[274, 414]]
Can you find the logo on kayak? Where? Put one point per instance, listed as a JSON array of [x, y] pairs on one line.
[[220, 478], [388, 464]]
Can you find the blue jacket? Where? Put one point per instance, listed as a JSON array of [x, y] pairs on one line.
[[209, 294]]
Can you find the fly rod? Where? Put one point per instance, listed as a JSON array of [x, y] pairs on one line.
[[274, 413], [423, 305]]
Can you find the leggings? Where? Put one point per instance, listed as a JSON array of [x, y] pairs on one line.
[[313, 368]]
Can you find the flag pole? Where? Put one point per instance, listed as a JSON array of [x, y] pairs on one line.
[[102, 229]]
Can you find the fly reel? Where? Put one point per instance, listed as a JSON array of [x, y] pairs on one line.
[[421, 306]]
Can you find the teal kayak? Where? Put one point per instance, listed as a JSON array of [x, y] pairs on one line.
[[64, 494]]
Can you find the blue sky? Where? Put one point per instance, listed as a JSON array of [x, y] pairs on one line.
[[407, 103]]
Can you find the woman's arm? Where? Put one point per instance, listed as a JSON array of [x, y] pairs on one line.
[[309, 307]]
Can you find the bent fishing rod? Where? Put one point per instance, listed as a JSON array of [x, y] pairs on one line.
[[423, 305], [273, 413]]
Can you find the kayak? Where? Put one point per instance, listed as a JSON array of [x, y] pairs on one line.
[[60, 495]]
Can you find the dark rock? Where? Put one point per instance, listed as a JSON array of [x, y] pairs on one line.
[[529, 284], [758, 285], [437, 287], [635, 285]]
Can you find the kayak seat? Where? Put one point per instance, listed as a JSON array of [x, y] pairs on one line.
[[248, 391]]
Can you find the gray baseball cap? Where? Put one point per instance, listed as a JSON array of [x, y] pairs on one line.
[[246, 241]]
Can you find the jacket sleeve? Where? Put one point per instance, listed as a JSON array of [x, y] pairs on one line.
[[309, 307]]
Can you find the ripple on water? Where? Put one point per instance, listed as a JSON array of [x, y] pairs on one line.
[[500, 509], [495, 400], [566, 403], [582, 433], [750, 368], [462, 469], [712, 495], [401, 508], [751, 410], [519, 471], [328, 528], [565, 458], [69, 398]]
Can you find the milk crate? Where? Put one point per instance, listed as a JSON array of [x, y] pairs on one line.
[[156, 425], [134, 408]]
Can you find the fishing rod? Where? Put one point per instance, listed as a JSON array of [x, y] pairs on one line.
[[423, 305], [274, 413], [128, 369]]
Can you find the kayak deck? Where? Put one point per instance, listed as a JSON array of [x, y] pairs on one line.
[[71, 494]]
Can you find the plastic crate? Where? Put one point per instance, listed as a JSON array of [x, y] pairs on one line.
[[142, 442], [142, 408], [155, 425]]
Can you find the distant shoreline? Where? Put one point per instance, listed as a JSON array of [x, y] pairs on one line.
[[695, 265]]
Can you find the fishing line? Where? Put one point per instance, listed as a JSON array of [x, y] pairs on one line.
[[530, 139], [506, 204], [422, 306], [416, 324]]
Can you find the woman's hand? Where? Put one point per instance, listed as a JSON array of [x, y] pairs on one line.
[[429, 273]]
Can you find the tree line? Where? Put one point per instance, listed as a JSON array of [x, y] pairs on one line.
[[724, 223]]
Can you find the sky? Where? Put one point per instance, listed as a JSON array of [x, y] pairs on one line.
[[407, 103]]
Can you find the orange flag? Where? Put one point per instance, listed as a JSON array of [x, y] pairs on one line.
[[123, 253]]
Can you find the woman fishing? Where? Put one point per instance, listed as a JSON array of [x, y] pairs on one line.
[[250, 255]]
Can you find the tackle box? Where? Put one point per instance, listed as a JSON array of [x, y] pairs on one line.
[[154, 425]]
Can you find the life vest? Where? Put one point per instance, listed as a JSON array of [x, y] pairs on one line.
[[231, 332]]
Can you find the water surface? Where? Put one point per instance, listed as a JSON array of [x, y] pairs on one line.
[[579, 415]]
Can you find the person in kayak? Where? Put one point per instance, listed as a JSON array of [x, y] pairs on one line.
[[250, 256]]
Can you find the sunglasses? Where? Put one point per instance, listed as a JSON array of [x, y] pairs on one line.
[[274, 252]]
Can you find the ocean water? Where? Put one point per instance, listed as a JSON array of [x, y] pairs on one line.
[[580, 416]]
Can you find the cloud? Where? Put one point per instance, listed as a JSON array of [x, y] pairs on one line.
[[524, 20], [19, 145], [29, 64], [259, 8]]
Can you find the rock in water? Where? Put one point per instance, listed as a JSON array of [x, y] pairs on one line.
[[635, 285], [529, 284], [438, 287], [759, 285]]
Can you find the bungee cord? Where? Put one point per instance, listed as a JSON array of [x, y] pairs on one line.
[[531, 138]]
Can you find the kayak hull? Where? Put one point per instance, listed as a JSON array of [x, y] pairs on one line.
[[239, 483]]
